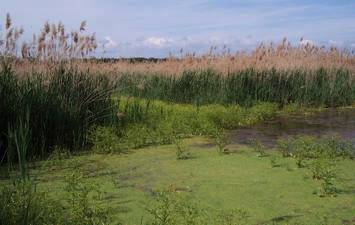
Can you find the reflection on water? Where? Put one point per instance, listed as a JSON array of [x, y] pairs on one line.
[[329, 122]]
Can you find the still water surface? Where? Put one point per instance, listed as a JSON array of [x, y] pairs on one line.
[[328, 122]]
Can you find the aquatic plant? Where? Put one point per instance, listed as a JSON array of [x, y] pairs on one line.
[[220, 141], [325, 171]]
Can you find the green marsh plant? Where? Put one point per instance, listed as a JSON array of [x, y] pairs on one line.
[[325, 171], [163, 210], [18, 140], [80, 201], [182, 151], [221, 141]]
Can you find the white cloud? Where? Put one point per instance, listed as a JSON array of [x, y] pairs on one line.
[[353, 45], [332, 42], [336, 43], [109, 43], [305, 42], [247, 40], [157, 41], [216, 40]]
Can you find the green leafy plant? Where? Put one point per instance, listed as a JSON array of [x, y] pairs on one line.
[[190, 213], [325, 171], [81, 208], [163, 209], [321, 168]]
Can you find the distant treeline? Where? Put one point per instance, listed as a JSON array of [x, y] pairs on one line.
[[130, 60]]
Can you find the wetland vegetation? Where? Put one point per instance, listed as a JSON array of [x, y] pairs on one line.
[[190, 140]]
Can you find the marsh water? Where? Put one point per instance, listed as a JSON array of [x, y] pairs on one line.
[[328, 122]]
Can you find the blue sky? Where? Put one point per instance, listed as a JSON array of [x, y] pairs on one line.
[[156, 27]]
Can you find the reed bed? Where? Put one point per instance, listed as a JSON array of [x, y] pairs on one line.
[[54, 43], [282, 57], [310, 88]]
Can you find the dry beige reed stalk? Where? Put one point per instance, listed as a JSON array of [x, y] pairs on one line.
[[52, 44]]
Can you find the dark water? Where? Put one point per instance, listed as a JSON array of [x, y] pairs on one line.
[[329, 122]]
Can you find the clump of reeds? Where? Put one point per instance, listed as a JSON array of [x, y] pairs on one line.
[[9, 41], [60, 108], [53, 43]]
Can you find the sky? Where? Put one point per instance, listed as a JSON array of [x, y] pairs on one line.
[[155, 28]]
